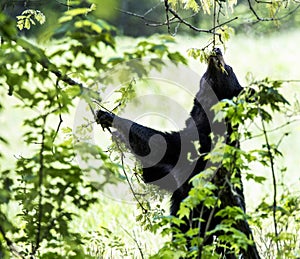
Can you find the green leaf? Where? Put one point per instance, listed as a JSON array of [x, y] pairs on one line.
[[7, 26], [159, 49], [40, 17], [200, 54], [206, 6], [192, 4], [176, 57], [28, 17], [66, 130], [13, 80], [73, 91], [95, 27], [25, 94], [258, 179], [167, 38], [77, 11], [27, 24]]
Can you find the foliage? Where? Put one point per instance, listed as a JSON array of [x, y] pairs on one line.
[[46, 184], [279, 212], [266, 18], [26, 19]]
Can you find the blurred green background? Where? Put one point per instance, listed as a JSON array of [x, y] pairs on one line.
[[154, 11]]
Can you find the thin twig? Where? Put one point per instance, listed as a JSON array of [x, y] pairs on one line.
[[60, 109], [211, 214], [122, 156], [271, 130], [9, 244], [260, 19], [277, 80], [135, 241], [214, 23], [172, 11], [40, 192], [152, 9], [130, 185], [167, 16], [253, 11], [200, 246], [273, 178], [179, 20], [148, 22], [56, 218], [263, 2], [224, 23]]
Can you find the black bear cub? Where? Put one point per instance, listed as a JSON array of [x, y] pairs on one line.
[[166, 156]]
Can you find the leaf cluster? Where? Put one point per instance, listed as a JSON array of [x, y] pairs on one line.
[[251, 107], [46, 186]]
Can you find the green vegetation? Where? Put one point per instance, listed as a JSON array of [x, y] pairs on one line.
[[50, 208]]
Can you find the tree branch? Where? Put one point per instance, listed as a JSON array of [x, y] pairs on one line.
[[60, 108], [147, 21], [270, 19], [134, 240], [177, 18], [9, 243], [181, 20]]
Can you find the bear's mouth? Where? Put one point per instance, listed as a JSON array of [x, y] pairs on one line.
[[216, 59]]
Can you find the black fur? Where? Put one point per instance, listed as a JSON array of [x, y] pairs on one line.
[[172, 170]]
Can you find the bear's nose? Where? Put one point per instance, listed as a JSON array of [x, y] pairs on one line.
[[217, 51]]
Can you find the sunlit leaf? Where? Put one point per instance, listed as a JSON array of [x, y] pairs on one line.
[[77, 11]]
